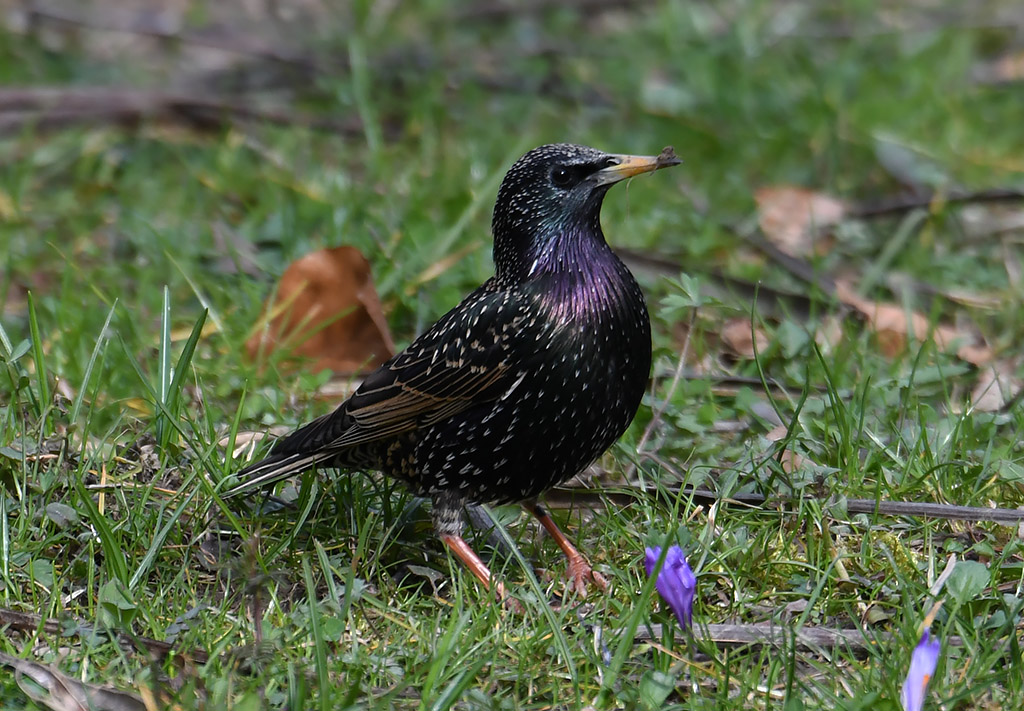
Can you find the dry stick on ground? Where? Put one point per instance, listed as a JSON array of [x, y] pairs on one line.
[[53, 107], [776, 635], [881, 208], [803, 270], [569, 498], [720, 634], [769, 299], [800, 268], [257, 49], [242, 45], [31, 623], [506, 10]]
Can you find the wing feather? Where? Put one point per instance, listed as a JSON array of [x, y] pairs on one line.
[[472, 355]]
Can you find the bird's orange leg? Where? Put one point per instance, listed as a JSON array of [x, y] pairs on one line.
[[476, 566], [580, 572]]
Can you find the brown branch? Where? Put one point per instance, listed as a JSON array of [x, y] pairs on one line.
[[882, 208], [53, 107], [770, 301], [569, 498], [799, 268], [32, 623], [775, 635], [143, 26], [503, 10], [805, 271]]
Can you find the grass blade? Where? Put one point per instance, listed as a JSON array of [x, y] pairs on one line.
[[114, 555], [164, 377], [320, 646], [158, 542], [101, 343], [5, 543], [37, 357], [459, 684], [182, 366]]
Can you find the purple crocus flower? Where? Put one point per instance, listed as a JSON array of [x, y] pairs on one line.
[[676, 582], [922, 666]]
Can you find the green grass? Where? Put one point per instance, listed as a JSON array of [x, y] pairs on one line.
[[134, 263]]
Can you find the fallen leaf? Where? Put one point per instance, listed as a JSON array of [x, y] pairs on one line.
[[790, 460], [247, 441], [795, 607], [326, 309], [738, 336], [910, 164], [1008, 68], [790, 217], [892, 324], [900, 283], [49, 687], [996, 386], [829, 334], [985, 220]]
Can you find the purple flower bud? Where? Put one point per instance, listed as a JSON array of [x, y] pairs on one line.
[[922, 666], [676, 582]]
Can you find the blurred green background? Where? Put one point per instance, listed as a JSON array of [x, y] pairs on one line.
[[203, 146]]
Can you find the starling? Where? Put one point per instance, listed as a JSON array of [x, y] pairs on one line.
[[524, 383]]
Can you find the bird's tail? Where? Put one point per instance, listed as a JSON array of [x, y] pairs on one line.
[[272, 469]]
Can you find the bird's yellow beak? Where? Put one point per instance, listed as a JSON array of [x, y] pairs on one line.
[[628, 166]]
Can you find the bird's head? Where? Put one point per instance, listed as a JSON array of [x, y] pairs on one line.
[[553, 192]]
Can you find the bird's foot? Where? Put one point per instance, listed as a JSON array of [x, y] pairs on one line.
[[581, 574], [481, 571]]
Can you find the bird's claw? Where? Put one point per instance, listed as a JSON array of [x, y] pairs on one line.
[[580, 574]]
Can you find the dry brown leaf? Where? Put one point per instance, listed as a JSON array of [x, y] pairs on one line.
[[790, 217], [736, 334], [1008, 68], [891, 326], [326, 309], [829, 334], [996, 386], [790, 460], [900, 283], [49, 687]]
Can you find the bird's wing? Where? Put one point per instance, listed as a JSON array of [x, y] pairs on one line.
[[473, 354]]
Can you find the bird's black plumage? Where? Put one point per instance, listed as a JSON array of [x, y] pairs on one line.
[[526, 381]]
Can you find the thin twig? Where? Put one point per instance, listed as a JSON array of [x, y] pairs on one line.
[[236, 44], [721, 283], [50, 107], [503, 10], [881, 208], [589, 498], [775, 635], [800, 268], [32, 623]]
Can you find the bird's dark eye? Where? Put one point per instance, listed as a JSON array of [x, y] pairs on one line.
[[561, 177]]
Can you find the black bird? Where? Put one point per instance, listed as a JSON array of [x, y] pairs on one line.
[[524, 383]]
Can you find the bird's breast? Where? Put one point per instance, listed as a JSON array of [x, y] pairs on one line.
[[600, 336]]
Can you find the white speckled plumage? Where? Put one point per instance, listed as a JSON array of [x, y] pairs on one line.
[[522, 384]]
